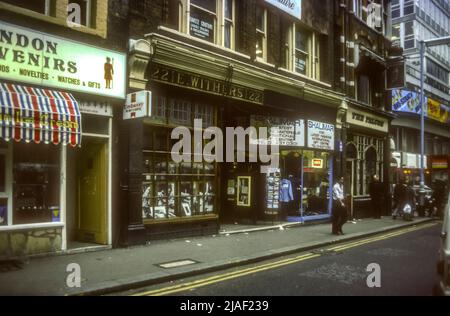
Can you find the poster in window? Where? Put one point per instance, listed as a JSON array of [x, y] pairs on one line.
[[244, 191], [201, 25], [300, 64], [171, 199], [273, 179], [209, 197], [147, 207]]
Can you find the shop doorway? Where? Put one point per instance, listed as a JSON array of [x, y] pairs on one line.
[[92, 183]]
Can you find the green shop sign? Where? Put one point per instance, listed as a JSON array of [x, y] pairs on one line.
[[50, 61]]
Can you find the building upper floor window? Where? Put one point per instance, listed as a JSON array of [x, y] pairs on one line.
[[261, 33], [85, 8], [371, 12], [39, 6], [437, 71], [203, 19], [306, 52], [364, 89], [213, 21]]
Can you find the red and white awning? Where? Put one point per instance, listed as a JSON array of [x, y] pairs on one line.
[[39, 115]]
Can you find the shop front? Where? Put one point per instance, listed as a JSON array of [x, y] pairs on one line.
[[168, 199], [298, 189], [55, 143], [367, 153]]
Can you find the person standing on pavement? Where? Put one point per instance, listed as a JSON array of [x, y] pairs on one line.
[[339, 217], [376, 194]]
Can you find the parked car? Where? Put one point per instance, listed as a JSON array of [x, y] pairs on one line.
[[444, 255]]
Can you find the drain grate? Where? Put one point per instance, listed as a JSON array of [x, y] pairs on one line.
[[177, 264]]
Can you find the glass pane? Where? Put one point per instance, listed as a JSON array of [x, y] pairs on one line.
[[229, 9], [260, 21], [35, 5], [209, 197], [186, 199], [160, 164], [201, 25], [209, 5], [301, 40], [301, 62], [161, 201], [36, 183], [259, 45], [227, 42], [148, 202]]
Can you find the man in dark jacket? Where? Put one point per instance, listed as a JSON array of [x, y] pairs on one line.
[[376, 194]]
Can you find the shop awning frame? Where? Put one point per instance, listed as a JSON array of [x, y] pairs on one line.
[[39, 115]]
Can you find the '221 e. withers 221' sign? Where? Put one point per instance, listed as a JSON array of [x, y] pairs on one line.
[[292, 7], [50, 61]]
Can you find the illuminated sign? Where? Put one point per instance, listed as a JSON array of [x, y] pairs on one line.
[[46, 60]]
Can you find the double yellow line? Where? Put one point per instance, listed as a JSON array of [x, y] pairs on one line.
[[269, 266], [379, 238]]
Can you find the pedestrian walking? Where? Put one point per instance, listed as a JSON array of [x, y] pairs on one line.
[[339, 216]]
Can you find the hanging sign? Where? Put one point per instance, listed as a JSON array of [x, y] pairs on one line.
[[320, 135]]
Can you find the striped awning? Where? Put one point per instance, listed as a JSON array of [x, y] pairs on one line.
[[39, 115]]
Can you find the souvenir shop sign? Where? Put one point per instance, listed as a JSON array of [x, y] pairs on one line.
[[320, 135], [46, 60], [291, 133], [292, 7], [206, 84], [367, 120]]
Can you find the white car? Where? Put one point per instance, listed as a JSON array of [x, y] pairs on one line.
[[444, 255]]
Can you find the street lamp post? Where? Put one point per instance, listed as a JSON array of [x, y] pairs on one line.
[[423, 45]]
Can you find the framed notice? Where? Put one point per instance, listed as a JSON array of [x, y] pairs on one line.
[[244, 191]]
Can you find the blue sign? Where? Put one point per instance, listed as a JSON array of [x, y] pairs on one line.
[[407, 101]]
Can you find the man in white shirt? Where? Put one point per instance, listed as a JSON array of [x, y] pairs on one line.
[[339, 217]]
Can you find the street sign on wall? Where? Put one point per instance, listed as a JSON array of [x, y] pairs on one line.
[[292, 7]]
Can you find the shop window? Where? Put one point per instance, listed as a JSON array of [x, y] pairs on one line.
[[261, 33], [172, 190], [40, 6], [36, 183]]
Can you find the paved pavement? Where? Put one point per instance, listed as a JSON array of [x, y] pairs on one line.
[[120, 269]]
